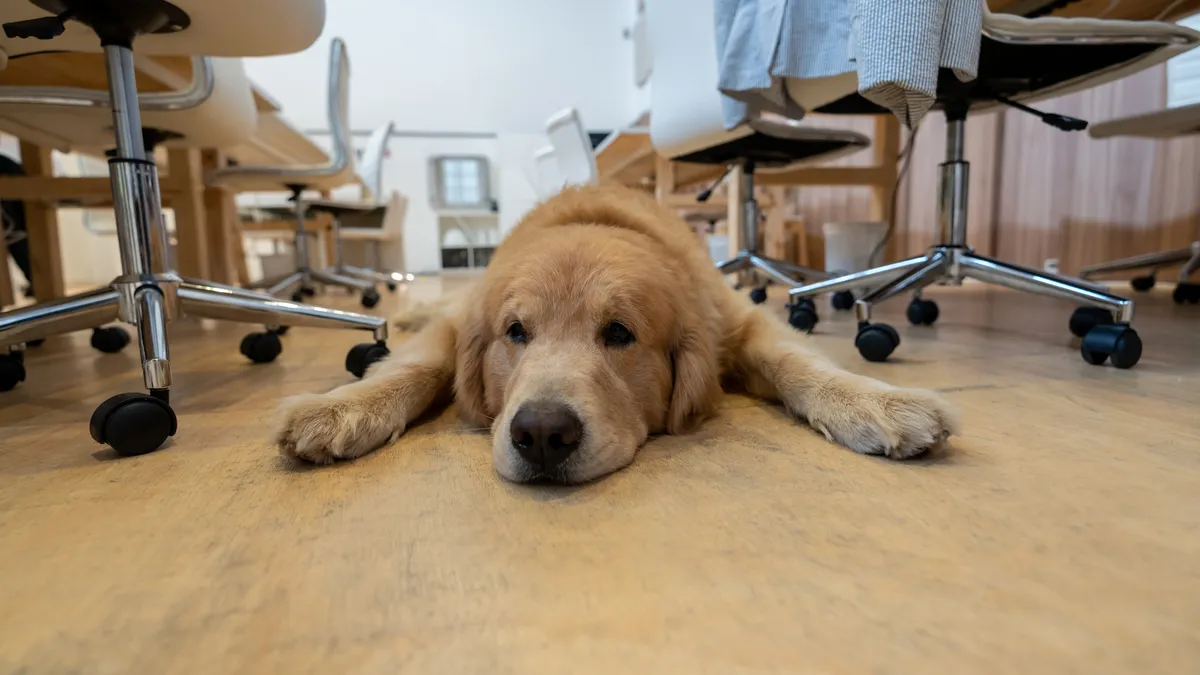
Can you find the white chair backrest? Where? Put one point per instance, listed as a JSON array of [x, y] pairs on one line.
[[572, 148], [373, 155], [339, 105], [685, 106], [549, 178]]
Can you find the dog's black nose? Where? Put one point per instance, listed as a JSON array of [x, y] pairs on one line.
[[545, 433]]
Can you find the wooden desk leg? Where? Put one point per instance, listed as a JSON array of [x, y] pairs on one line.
[[41, 219], [191, 240], [327, 234], [733, 210], [6, 286], [664, 179], [226, 257], [886, 148]]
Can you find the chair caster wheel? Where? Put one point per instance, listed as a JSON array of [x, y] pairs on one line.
[[361, 356], [110, 340], [297, 297], [843, 300], [391, 286], [281, 330], [758, 295], [12, 370], [1186, 292], [876, 341], [369, 298], [1117, 343], [261, 347], [1084, 319], [922, 312], [308, 291], [133, 424], [1142, 284], [36, 343], [802, 315]]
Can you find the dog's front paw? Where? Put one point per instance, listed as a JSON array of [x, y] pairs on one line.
[[898, 423], [321, 428]]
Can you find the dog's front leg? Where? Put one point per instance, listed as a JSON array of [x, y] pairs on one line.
[[357, 418], [858, 412]]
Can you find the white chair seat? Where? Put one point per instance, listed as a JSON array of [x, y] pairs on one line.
[[218, 28], [225, 119]]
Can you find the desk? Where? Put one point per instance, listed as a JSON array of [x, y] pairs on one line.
[[206, 221]]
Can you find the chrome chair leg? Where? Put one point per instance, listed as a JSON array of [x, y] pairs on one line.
[[1151, 260], [77, 312], [858, 280], [287, 285], [333, 279], [1028, 280], [205, 302], [916, 278]]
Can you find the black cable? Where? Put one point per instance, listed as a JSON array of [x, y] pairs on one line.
[[906, 158]]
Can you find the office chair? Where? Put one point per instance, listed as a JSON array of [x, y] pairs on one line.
[[687, 125], [1020, 60], [371, 177], [297, 179], [149, 293]]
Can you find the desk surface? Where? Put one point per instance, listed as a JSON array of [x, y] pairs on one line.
[[628, 157]]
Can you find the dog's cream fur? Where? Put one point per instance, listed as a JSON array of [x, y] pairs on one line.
[[585, 258]]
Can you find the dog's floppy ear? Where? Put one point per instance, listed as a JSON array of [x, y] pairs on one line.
[[696, 389], [473, 340]]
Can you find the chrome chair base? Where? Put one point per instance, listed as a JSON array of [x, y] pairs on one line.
[[752, 268], [1103, 322]]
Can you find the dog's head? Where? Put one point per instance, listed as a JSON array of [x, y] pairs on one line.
[[579, 345]]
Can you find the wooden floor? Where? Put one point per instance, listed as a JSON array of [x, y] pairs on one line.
[[1059, 534]]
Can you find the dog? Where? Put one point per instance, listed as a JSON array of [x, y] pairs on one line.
[[599, 322]]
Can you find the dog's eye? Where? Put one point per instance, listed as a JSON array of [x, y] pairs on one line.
[[516, 333], [617, 335]]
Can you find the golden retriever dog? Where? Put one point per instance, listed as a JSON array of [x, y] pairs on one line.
[[600, 321]]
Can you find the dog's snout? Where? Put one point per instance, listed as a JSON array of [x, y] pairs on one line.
[[545, 433]]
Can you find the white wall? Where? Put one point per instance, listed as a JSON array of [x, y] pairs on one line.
[[464, 65]]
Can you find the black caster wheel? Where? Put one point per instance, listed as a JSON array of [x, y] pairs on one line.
[[391, 286], [133, 424], [12, 370], [1117, 343], [261, 347], [1142, 284], [361, 356], [308, 291], [803, 315], [1186, 293], [110, 340], [758, 295], [370, 298], [1084, 319], [281, 330], [297, 297], [36, 343], [843, 300], [922, 312], [876, 341]]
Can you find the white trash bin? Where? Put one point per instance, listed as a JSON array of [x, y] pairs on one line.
[[718, 247], [848, 246]]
